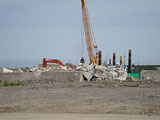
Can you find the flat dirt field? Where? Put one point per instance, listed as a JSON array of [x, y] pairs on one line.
[[86, 100]]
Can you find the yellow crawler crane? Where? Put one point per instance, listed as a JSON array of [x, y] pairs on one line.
[[88, 35]]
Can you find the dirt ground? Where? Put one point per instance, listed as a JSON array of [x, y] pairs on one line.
[[75, 116], [85, 97]]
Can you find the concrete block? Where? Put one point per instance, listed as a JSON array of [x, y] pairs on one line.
[[90, 67], [122, 75], [87, 76]]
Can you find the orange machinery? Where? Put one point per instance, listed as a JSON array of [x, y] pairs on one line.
[[51, 61], [45, 61], [91, 47]]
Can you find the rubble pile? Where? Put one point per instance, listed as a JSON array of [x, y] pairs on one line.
[[53, 67], [38, 70], [42, 69], [21, 70], [94, 72], [35, 69], [5, 70]]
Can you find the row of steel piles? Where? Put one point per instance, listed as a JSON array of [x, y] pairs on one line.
[[114, 59], [129, 60]]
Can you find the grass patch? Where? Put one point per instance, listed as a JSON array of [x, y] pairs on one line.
[[13, 83], [71, 80]]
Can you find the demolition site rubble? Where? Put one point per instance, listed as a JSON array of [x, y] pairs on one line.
[[94, 72]]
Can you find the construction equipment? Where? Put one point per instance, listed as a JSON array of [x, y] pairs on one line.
[[45, 61], [129, 61], [100, 58], [121, 60], [93, 56], [51, 61], [114, 59]]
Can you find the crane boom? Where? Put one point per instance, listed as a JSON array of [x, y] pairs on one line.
[[88, 33]]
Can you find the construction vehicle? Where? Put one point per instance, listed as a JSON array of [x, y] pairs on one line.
[[92, 49], [51, 61], [94, 55], [45, 61]]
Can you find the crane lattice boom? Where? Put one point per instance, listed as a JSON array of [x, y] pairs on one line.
[[88, 33]]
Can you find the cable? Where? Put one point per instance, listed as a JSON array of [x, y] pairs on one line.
[[93, 36]]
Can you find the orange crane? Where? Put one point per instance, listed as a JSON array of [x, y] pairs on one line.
[[88, 35]]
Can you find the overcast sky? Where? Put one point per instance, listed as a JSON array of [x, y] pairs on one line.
[[33, 29]]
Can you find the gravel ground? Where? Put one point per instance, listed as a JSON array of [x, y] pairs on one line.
[[85, 97]]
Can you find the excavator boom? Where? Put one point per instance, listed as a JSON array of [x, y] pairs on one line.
[[51, 61], [45, 61]]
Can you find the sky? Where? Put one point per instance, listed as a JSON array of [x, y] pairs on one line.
[[33, 29]]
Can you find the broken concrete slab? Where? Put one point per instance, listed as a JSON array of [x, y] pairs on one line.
[[90, 67], [122, 75], [97, 67], [87, 76]]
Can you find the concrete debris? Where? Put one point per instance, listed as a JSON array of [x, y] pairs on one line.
[[5, 70], [37, 73], [58, 68], [38, 70], [87, 76], [122, 75], [94, 72], [19, 70], [34, 69]]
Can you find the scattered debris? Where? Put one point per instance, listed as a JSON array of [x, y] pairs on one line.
[[5, 70], [131, 84], [38, 70], [131, 79]]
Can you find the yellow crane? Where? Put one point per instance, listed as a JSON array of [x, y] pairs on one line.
[[88, 35]]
